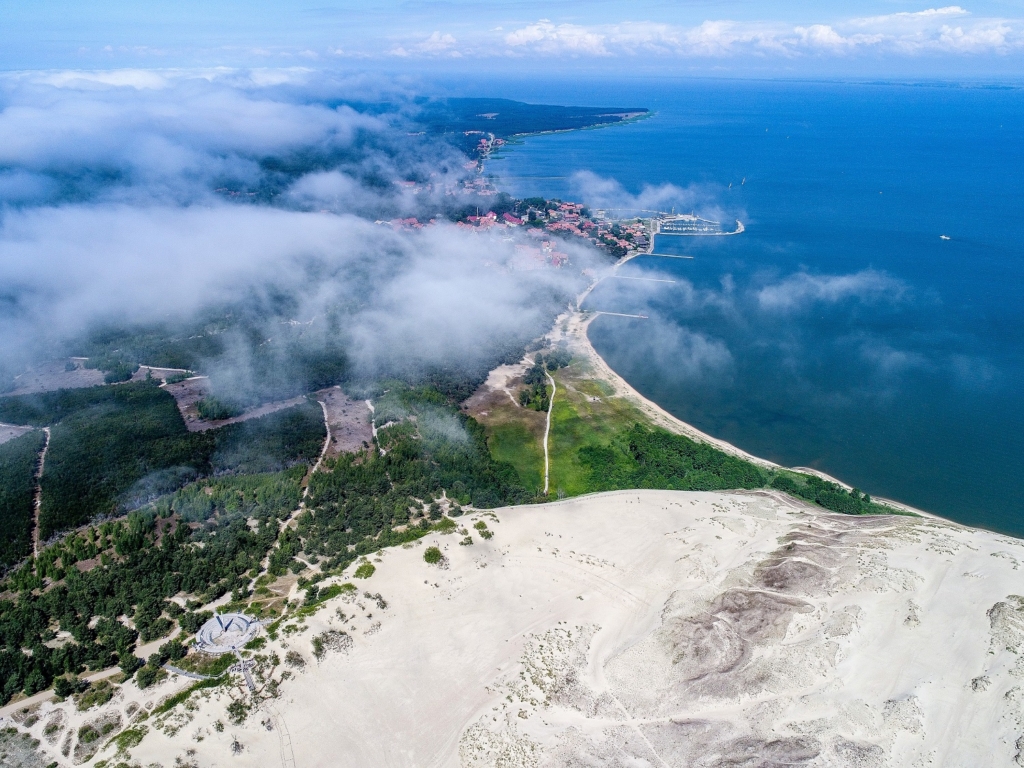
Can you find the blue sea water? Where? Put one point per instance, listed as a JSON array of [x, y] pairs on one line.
[[839, 331]]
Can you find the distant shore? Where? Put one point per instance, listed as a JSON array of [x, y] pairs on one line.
[[633, 118]]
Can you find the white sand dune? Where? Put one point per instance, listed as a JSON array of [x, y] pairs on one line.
[[654, 628]]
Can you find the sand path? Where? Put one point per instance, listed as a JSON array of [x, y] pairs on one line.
[[323, 451], [37, 502], [254, 413], [547, 431]]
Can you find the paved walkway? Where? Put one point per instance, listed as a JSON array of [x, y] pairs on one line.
[[185, 673]]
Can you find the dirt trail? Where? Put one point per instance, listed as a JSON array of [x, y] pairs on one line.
[[265, 562], [323, 453], [37, 502], [547, 432], [255, 413]]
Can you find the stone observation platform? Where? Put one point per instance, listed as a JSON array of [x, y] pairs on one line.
[[226, 633]]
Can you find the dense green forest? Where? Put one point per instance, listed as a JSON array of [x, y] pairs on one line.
[[272, 442], [114, 448], [47, 408], [18, 460], [505, 118], [829, 495], [428, 448], [97, 453], [654, 458], [535, 394], [131, 566]]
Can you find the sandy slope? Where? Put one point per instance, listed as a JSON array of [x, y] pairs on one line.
[[658, 628]]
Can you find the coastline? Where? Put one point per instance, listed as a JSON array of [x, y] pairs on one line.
[[624, 121], [572, 328], [585, 591], [575, 327], [516, 138]]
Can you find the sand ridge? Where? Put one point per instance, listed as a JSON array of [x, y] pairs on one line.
[[652, 628]]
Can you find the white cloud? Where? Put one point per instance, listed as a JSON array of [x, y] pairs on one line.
[[419, 296], [163, 139], [888, 360], [436, 43], [559, 39], [134, 78], [113, 207], [949, 29], [910, 17], [606, 193], [803, 289], [689, 355], [822, 36]]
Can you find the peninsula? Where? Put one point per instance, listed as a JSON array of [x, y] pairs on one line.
[[552, 566]]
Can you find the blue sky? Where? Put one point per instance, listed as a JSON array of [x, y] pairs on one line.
[[738, 37]]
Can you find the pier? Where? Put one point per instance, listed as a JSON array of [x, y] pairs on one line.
[[617, 314], [645, 279]]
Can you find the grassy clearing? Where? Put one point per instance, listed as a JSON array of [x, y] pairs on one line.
[[206, 664], [517, 444], [584, 414], [601, 442]]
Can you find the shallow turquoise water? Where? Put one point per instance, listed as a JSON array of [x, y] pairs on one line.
[[839, 331]]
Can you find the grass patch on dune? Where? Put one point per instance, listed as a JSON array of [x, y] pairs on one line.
[[584, 414], [172, 701], [515, 443], [600, 442]]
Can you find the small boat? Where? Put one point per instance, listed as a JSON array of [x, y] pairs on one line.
[[944, 237]]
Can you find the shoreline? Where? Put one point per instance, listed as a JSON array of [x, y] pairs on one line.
[[635, 118], [577, 322], [573, 327], [576, 325]]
